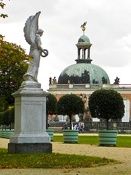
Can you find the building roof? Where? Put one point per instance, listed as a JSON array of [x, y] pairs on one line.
[[83, 73]]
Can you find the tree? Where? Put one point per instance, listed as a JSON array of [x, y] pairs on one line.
[[1, 118], [13, 65], [70, 105], [6, 120], [106, 104], [51, 105], [7, 117]]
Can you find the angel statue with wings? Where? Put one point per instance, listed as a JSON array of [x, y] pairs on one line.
[[32, 35]]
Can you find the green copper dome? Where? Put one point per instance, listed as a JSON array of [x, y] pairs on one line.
[[83, 39], [83, 73]]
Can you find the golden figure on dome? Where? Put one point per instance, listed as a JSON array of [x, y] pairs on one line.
[[83, 26]]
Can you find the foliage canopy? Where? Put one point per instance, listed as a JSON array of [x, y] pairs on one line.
[[106, 104], [13, 65], [51, 104], [7, 117], [2, 6]]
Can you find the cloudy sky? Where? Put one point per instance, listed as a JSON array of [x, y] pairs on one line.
[[108, 27]]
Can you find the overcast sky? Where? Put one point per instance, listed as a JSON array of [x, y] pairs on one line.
[[108, 27]]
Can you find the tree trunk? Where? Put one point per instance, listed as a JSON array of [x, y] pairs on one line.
[[107, 123], [10, 126], [70, 122]]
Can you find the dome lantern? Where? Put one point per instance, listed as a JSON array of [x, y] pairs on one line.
[[83, 47]]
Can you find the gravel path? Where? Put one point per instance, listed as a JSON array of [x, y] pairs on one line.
[[121, 154]]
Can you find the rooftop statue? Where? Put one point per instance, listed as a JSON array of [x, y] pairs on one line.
[[83, 26], [32, 35]]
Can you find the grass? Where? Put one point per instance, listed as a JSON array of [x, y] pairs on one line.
[[92, 140], [56, 160], [122, 141], [49, 160]]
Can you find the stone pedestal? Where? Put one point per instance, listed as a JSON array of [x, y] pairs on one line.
[[30, 134]]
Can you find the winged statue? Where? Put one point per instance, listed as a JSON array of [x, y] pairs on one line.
[[32, 35]]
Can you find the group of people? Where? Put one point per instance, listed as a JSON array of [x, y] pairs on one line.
[[79, 127]]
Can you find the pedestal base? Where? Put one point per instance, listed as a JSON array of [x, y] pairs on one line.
[[29, 148], [30, 120]]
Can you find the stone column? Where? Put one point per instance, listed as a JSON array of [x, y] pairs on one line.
[[30, 134]]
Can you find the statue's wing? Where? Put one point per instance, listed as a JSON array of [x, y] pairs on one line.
[[31, 27]]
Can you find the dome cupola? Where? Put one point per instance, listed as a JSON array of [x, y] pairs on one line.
[[84, 39]]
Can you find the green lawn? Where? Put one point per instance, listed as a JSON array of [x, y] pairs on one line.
[[49, 160], [122, 141], [55, 160]]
